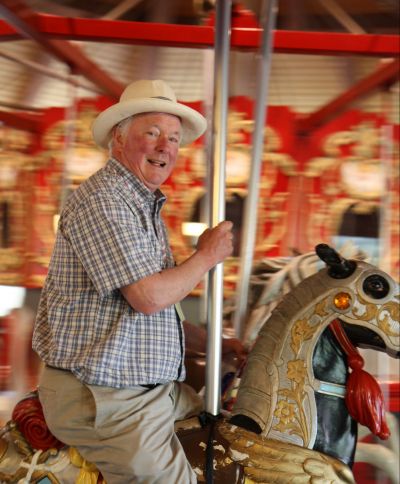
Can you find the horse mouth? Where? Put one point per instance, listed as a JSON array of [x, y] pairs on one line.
[[366, 338], [394, 354]]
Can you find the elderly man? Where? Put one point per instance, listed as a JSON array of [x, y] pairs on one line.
[[109, 328]]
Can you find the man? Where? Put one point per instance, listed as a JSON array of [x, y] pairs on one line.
[[109, 328]]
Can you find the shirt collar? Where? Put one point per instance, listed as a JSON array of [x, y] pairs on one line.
[[134, 184]]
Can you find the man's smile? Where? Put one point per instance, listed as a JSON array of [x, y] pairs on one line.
[[156, 162]]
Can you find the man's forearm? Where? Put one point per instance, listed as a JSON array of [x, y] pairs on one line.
[[158, 291]]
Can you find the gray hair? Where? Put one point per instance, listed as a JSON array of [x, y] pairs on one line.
[[123, 126]]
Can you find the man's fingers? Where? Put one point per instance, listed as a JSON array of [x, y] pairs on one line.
[[226, 225]]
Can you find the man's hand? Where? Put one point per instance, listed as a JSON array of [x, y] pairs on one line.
[[217, 243]]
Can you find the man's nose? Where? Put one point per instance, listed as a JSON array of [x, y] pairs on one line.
[[162, 144]]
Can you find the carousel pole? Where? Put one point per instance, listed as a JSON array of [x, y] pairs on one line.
[[268, 18], [217, 203]]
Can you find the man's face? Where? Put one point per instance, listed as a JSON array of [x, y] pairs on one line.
[[148, 146]]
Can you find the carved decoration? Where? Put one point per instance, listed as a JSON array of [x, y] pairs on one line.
[[300, 202], [357, 176], [14, 161], [186, 189], [267, 460], [68, 156]]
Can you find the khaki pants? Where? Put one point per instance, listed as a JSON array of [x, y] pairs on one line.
[[128, 433]]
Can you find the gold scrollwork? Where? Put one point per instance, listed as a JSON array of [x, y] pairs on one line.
[[12, 235], [10, 259], [290, 411], [377, 312]]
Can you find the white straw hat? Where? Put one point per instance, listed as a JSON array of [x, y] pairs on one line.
[[147, 96]]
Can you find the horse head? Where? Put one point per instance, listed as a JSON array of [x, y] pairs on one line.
[[282, 395], [376, 301]]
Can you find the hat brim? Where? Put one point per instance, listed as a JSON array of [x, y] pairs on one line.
[[193, 123]]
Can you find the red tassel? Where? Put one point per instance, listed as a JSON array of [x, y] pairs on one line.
[[364, 398]]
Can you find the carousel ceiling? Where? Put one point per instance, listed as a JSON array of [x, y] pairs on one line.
[[371, 16], [54, 50]]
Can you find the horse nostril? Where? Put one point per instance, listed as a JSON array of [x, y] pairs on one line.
[[376, 286]]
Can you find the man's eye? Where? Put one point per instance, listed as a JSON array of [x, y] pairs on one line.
[[174, 139], [152, 133]]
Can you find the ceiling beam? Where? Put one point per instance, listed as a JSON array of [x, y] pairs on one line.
[[383, 77], [27, 22], [42, 69], [23, 121], [121, 9], [342, 16], [199, 36]]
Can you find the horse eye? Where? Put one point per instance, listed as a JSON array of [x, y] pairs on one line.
[[376, 286]]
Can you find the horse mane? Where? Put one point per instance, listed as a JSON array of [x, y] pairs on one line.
[[273, 278]]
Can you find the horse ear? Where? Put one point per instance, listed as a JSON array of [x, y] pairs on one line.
[[339, 268]]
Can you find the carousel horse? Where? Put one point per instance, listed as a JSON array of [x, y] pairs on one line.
[[301, 393], [271, 279]]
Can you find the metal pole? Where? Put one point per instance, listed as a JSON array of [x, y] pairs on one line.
[[269, 13], [386, 202], [217, 203]]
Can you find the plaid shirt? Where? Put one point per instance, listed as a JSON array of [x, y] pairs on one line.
[[110, 235]]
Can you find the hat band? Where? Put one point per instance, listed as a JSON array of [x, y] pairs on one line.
[[161, 97]]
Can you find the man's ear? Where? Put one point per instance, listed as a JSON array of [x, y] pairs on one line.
[[117, 136]]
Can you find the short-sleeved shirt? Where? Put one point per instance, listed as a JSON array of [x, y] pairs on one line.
[[110, 235]]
